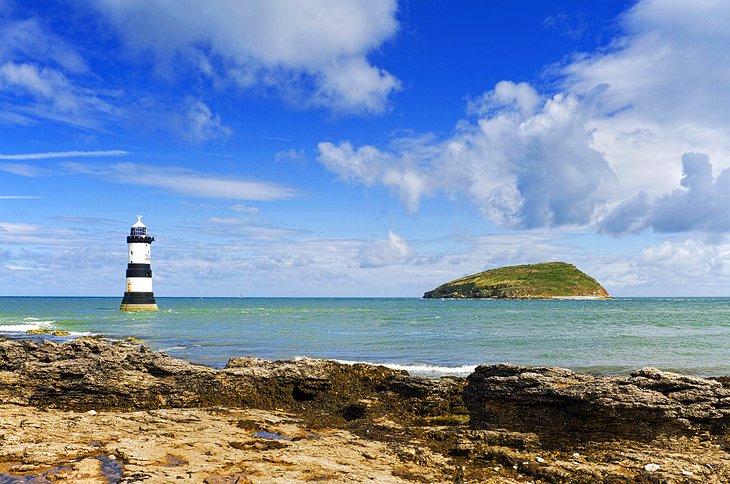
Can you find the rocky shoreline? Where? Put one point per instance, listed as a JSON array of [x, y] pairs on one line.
[[90, 410]]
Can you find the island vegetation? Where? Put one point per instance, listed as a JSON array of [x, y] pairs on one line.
[[547, 280]]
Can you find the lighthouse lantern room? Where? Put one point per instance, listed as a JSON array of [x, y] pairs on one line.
[[139, 295]]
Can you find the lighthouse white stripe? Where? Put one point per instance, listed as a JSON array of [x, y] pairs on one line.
[[139, 284], [139, 253]]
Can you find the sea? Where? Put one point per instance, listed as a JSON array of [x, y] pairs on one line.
[[424, 336]]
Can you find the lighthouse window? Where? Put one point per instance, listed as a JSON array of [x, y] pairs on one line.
[[141, 231]]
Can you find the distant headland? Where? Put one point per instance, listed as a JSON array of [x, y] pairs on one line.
[[547, 280]]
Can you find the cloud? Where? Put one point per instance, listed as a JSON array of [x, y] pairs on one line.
[[527, 162], [572, 27], [27, 170], [28, 38], [198, 124], [384, 252], [36, 92], [598, 151], [22, 169], [666, 79], [185, 182], [87, 221], [313, 53], [239, 207], [230, 227], [18, 197], [701, 204], [684, 267], [63, 154], [290, 155], [14, 233]]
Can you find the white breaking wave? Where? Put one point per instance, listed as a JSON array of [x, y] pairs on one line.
[[37, 324], [432, 370], [415, 369], [17, 328], [27, 325]]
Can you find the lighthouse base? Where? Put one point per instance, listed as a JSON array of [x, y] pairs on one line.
[[138, 301]]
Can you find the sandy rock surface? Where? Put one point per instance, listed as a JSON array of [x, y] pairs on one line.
[[195, 445]]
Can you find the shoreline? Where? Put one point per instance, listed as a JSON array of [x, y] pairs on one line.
[[425, 370], [80, 409]]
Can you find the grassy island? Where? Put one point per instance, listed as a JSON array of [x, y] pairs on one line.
[[547, 280]]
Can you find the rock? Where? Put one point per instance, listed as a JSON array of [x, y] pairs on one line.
[[89, 372], [584, 407], [52, 332], [428, 396], [441, 429], [651, 467]]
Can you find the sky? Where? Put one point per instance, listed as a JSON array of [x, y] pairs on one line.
[[363, 147]]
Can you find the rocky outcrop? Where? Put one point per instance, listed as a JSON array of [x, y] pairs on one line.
[[90, 373], [564, 407], [89, 407]]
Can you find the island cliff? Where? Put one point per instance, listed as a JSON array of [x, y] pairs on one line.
[[548, 280]]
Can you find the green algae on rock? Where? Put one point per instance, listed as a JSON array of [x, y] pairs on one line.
[[547, 280]]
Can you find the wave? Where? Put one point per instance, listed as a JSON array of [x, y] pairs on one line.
[[18, 328], [38, 324], [415, 368]]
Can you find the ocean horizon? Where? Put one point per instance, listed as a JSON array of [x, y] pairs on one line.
[[433, 337]]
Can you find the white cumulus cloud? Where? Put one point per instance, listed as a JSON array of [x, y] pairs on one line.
[[701, 204], [527, 162], [313, 52], [600, 151]]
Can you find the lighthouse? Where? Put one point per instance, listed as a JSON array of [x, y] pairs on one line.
[[139, 296]]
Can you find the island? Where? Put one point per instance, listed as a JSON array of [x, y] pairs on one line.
[[547, 280]]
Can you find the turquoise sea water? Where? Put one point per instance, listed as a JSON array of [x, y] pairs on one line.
[[687, 335]]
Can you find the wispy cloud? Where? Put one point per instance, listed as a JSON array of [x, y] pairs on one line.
[[34, 92], [186, 182], [24, 169], [17, 197], [198, 124], [239, 207], [63, 154]]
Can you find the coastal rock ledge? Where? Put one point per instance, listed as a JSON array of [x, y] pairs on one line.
[[118, 412]]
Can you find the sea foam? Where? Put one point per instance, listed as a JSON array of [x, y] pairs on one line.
[[416, 369]]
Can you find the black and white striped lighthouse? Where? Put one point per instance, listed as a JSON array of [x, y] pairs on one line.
[[139, 296]]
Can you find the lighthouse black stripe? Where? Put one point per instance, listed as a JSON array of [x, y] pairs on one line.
[[139, 298], [138, 270], [138, 239]]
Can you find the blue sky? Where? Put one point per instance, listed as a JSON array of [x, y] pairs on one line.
[[363, 148]]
